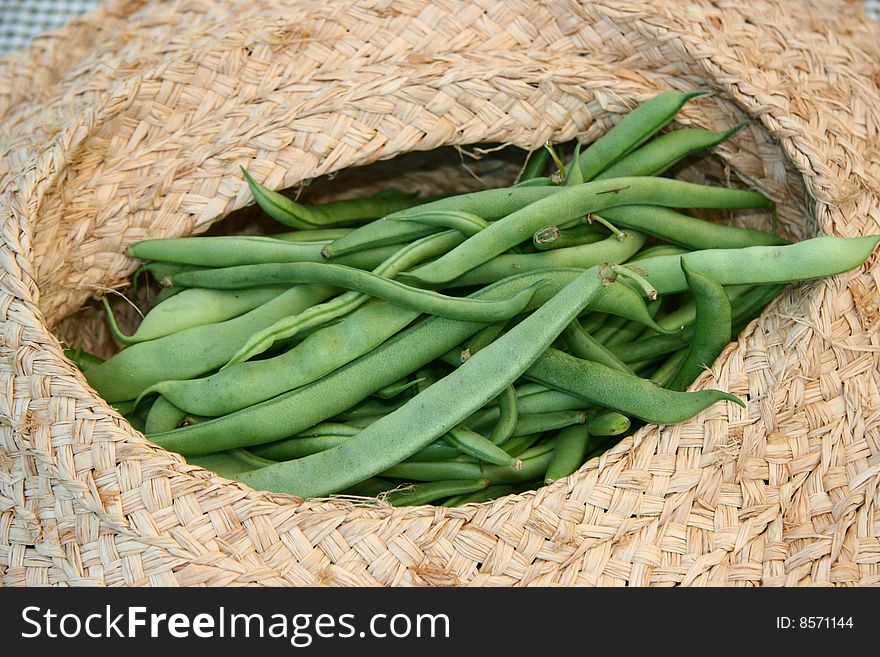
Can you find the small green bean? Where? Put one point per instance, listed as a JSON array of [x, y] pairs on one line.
[[473, 444], [569, 453], [608, 423], [536, 164], [504, 427]]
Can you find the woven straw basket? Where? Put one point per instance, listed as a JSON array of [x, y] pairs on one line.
[[133, 121]]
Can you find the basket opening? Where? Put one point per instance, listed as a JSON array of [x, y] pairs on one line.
[[443, 171]]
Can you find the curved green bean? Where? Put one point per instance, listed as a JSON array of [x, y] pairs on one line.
[[291, 213], [467, 309], [571, 203], [624, 393], [712, 328]]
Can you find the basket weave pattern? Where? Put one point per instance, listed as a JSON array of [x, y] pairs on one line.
[[132, 123]]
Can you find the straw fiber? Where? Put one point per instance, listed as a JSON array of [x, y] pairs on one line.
[[132, 122]]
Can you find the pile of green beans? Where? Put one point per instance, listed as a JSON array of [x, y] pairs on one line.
[[460, 348]]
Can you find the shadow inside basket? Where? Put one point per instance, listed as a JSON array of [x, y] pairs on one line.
[[529, 434]]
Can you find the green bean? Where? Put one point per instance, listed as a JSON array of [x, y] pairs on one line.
[[504, 427], [680, 229], [221, 463], [489, 204], [532, 468], [750, 305], [543, 181], [393, 390], [712, 329], [517, 445], [632, 131], [625, 393], [161, 270], [536, 164], [657, 251], [629, 331], [608, 423], [166, 293], [610, 328], [371, 408], [536, 423], [83, 359], [322, 235], [372, 487], [663, 374], [573, 173], [193, 307], [571, 203], [583, 257], [438, 450], [194, 351], [249, 458], [294, 448], [479, 310], [319, 354], [547, 401], [569, 453], [425, 493], [658, 155], [473, 444], [163, 416], [423, 418], [465, 223], [228, 251], [292, 326], [584, 345], [291, 213], [552, 237], [480, 339], [485, 495], [818, 257]]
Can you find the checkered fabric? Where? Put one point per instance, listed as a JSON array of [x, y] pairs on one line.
[[22, 20]]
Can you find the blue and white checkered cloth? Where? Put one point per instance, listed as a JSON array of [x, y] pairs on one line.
[[22, 20]]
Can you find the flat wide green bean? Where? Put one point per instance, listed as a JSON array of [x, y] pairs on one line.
[[193, 351]]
